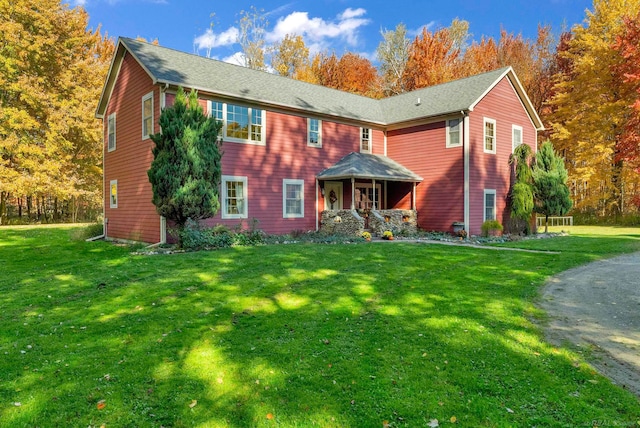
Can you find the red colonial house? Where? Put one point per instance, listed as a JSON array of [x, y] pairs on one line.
[[299, 156]]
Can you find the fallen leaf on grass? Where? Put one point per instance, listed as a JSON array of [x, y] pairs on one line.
[[193, 404], [433, 423], [269, 416], [17, 404], [453, 419], [101, 404], [385, 424], [509, 410]]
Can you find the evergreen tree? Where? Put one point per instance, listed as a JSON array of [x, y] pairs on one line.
[[552, 194], [522, 203], [185, 172]]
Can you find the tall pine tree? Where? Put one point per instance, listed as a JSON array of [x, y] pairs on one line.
[[185, 172]]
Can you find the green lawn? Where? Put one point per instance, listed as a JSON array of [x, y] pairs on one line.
[[357, 335]]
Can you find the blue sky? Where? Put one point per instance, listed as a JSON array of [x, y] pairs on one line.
[[332, 25]]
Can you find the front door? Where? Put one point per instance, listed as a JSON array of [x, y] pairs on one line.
[[333, 195]]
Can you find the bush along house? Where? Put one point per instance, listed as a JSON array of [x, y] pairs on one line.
[[299, 156]]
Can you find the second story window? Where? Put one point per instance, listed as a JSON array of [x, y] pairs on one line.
[[147, 115], [314, 132], [111, 132], [240, 124], [489, 135], [365, 140]]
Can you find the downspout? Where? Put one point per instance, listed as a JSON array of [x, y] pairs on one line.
[[317, 206], [467, 151]]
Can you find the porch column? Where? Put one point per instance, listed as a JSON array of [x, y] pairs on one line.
[[373, 203], [353, 193], [413, 196], [386, 203]]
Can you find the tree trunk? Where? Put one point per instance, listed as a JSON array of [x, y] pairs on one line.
[[29, 208], [546, 223], [3, 206]]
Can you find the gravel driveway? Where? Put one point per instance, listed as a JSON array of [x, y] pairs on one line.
[[598, 306]]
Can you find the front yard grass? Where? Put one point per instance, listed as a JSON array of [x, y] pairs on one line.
[[349, 335]]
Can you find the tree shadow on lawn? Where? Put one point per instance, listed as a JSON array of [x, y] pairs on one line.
[[327, 335]]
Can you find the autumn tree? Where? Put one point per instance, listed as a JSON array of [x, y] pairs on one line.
[[51, 74], [433, 59], [627, 70], [251, 37], [351, 72], [591, 108], [185, 171], [290, 57], [552, 196], [393, 52]]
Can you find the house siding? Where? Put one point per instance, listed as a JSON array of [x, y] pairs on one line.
[[135, 218], [286, 155], [440, 196], [492, 171]]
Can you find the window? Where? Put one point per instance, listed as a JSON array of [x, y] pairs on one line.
[[489, 204], [113, 194], [292, 198], [314, 132], [240, 124], [454, 136], [147, 115], [234, 197], [365, 198], [365, 140], [516, 132], [489, 135], [111, 132]]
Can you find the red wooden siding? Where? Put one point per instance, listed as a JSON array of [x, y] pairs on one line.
[[135, 218], [492, 171], [286, 155], [440, 197]]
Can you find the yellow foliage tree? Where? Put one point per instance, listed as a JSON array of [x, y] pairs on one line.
[[51, 74], [591, 108], [290, 57]]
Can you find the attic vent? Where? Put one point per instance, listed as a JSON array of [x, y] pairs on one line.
[[418, 102]]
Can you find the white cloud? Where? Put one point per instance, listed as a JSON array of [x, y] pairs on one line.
[[352, 13], [236, 59], [210, 40], [79, 3], [317, 31]]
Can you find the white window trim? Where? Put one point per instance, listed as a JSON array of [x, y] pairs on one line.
[[148, 96], [223, 132], [109, 148], [515, 128], [370, 140], [223, 195], [484, 204], [454, 143], [309, 143], [111, 184], [484, 135], [285, 183]]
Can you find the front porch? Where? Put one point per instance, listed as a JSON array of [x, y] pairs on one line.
[[379, 193]]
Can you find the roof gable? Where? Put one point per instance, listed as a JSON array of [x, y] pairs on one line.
[[172, 67]]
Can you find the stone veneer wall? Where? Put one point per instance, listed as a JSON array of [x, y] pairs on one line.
[[350, 222], [343, 222], [397, 221]]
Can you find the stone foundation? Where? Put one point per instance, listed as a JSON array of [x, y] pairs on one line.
[[352, 222]]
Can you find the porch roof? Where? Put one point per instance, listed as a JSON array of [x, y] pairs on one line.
[[370, 167]]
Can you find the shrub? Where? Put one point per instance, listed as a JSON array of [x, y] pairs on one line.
[[366, 235], [387, 234], [490, 226], [90, 231]]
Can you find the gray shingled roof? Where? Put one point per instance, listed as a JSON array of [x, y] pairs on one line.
[[218, 77], [177, 68], [367, 166]]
